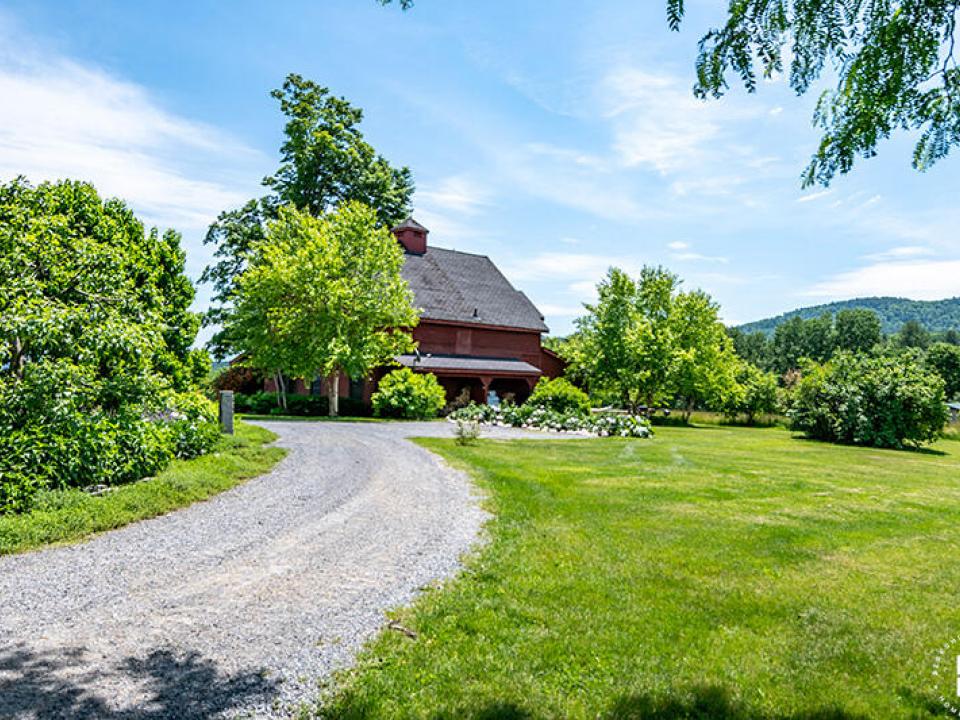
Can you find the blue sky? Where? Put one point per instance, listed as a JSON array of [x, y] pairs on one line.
[[557, 137]]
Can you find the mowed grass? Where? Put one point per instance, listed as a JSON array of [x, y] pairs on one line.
[[711, 572], [71, 515]]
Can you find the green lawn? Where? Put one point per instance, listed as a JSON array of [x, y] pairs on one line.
[[711, 572], [71, 515]]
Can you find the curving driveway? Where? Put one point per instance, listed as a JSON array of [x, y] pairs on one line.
[[237, 605]]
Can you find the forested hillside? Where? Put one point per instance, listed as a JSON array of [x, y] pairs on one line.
[[934, 315]]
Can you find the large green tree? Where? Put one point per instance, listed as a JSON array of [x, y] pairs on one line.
[[912, 335], [944, 358], [704, 365], [893, 61], [625, 345], [753, 347], [645, 343], [324, 296], [797, 339], [325, 162], [756, 394], [95, 341], [856, 330]]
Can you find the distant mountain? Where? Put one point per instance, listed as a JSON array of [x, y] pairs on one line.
[[934, 315]]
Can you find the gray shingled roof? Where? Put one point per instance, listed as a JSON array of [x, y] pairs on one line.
[[466, 288], [468, 363], [410, 223]]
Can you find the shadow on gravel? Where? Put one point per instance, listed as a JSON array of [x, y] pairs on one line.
[[62, 685]]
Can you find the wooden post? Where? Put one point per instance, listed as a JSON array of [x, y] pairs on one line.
[[226, 412], [485, 382]]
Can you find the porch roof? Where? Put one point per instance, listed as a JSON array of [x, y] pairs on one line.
[[468, 364]]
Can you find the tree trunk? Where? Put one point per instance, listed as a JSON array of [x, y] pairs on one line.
[[333, 393], [281, 390], [16, 358]]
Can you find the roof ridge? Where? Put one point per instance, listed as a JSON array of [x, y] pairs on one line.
[[459, 252], [410, 223]]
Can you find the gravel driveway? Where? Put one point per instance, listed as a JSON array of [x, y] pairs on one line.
[[237, 605]]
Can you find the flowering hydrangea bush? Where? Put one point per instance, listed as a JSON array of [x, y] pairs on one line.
[[542, 418], [190, 425]]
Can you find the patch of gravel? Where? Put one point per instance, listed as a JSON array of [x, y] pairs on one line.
[[238, 605]]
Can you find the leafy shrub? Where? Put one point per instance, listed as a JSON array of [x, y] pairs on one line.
[[191, 425], [258, 403], [239, 379], [266, 403], [541, 418], [617, 425], [403, 393], [466, 432], [480, 413], [559, 395], [75, 449], [756, 394], [305, 405], [351, 407], [97, 331], [944, 359], [869, 400]]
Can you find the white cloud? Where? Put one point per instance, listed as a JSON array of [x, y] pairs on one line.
[[561, 177], [918, 280], [814, 196], [657, 121], [443, 207], [561, 266], [698, 257], [62, 119], [575, 157], [458, 194], [901, 253], [682, 252], [566, 311]]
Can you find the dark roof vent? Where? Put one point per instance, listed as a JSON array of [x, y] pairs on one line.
[[412, 235], [476, 312]]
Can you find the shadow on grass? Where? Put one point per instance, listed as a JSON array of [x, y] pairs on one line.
[[65, 686], [914, 449], [710, 702]]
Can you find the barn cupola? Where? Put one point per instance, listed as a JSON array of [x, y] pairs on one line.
[[412, 235]]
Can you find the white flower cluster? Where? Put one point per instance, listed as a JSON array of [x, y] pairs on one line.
[[540, 418]]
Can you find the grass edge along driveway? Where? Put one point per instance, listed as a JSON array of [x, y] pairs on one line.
[[72, 515], [716, 572]]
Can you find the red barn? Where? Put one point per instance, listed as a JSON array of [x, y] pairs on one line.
[[477, 334]]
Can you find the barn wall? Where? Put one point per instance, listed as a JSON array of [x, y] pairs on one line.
[[443, 339], [551, 364]]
